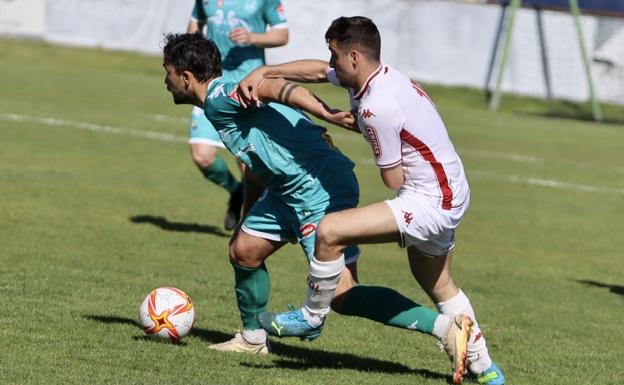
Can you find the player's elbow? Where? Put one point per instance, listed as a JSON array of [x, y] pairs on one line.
[[393, 184], [393, 178], [280, 37], [283, 38]]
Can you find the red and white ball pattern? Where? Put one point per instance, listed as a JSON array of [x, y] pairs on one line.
[[167, 313]]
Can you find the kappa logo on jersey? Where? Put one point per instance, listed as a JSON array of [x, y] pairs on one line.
[[407, 217], [218, 91], [373, 140], [307, 229], [367, 113]]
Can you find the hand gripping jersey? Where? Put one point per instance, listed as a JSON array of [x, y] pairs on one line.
[[403, 127], [222, 16], [282, 146]]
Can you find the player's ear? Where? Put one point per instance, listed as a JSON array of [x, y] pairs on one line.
[[354, 57], [187, 77]]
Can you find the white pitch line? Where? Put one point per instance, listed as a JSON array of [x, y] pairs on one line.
[[165, 118], [95, 127], [178, 139], [502, 155], [547, 183], [532, 159]]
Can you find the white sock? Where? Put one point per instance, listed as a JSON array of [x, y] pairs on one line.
[[441, 325], [323, 279], [256, 337], [478, 357]]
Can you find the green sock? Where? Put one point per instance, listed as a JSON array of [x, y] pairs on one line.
[[389, 307], [252, 293], [219, 173]]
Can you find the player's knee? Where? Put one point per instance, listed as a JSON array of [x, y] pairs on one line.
[[327, 233], [205, 157], [245, 256]]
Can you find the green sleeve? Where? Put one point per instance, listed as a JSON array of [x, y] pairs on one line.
[[273, 12]]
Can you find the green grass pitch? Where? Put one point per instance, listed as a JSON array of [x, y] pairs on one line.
[[100, 203]]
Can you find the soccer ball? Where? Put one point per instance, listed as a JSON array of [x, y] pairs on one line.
[[167, 313]]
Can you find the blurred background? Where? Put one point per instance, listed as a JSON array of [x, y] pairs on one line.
[[455, 43]]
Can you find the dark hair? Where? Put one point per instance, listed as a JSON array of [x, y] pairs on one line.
[[358, 31], [193, 52]]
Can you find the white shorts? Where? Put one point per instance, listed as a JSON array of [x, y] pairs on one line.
[[425, 225]]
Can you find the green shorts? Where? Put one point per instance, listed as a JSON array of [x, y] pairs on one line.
[[272, 219]]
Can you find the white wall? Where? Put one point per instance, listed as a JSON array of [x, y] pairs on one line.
[[22, 17], [136, 25]]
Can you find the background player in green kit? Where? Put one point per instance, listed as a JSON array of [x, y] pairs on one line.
[[239, 29], [304, 178]]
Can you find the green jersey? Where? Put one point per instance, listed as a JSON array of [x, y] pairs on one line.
[[290, 153], [222, 16]]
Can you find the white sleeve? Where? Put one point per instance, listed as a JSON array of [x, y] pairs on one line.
[[383, 123], [331, 76]]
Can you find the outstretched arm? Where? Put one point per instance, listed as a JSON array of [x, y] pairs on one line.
[[280, 90], [303, 71]]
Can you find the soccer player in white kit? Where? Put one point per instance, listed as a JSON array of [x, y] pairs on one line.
[[416, 158]]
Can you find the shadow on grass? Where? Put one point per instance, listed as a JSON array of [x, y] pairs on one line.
[[615, 289], [165, 224], [107, 319], [128, 321], [294, 357]]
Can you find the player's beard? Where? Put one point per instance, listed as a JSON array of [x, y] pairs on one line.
[[182, 97], [344, 80]]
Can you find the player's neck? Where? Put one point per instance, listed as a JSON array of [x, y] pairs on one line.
[[365, 72], [201, 90]]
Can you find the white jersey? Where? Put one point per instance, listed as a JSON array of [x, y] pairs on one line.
[[403, 127]]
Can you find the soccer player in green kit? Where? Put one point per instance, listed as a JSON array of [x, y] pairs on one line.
[[238, 28], [303, 176]]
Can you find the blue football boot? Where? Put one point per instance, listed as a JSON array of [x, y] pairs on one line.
[[492, 376], [289, 324]]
